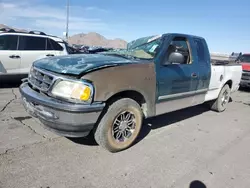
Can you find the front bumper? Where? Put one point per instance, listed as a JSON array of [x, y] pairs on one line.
[[245, 79], [245, 83], [64, 118]]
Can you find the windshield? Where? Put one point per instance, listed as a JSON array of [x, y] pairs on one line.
[[147, 50], [245, 58], [138, 42]]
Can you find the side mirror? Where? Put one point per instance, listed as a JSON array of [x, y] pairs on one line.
[[175, 58]]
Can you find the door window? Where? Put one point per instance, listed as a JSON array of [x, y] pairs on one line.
[[8, 42], [180, 45], [32, 43], [53, 45]]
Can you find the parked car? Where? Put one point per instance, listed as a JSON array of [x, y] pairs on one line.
[[76, 46], [18, 50], [111, 93], [84, 49], [244, 60]]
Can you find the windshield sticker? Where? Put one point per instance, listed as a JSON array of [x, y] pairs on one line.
[[154, 38], [153, 48]]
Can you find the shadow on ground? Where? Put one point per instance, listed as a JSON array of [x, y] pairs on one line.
[[154, 123], [169, 119], [11, 81], [197, 184], [89, 140], [244, 89]]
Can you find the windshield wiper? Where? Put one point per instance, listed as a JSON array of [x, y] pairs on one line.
[[127, 56], [118, 55]]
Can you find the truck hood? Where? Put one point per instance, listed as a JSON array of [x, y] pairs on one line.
[[245, 66], [80, 63]]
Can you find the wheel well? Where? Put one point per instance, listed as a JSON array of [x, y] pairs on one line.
[[138, 97], [230, 83]]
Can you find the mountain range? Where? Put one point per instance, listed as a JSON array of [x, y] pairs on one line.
[[95, 39], [90, 39]]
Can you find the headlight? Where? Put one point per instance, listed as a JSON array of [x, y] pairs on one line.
[[73, 90]]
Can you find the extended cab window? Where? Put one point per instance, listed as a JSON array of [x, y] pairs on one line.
[[179, 44], [201, 50], [32, 43], [53, 45], [8, 42]]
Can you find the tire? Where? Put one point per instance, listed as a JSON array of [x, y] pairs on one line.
[[217, 105], [106, 134]]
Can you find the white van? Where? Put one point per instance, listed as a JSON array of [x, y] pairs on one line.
[[18, 50]]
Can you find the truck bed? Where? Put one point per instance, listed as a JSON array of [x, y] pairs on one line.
[[222, 74], [225, 63]]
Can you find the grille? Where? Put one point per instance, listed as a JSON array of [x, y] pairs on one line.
[[245, 75], [245, 78], [40, 79]]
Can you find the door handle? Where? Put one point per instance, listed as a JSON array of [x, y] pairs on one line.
[[50, 55], [14, 56], [194, 75]]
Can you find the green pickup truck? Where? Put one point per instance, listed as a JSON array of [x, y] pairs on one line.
[[110, 93]]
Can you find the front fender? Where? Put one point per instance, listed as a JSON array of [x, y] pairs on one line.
[[133, 77]]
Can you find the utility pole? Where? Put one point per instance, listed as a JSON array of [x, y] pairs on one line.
[[67, 21]]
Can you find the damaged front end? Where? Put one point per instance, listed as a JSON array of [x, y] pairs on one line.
[[63, 105]]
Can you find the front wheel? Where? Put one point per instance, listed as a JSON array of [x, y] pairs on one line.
[[119, 125], [221, 102]]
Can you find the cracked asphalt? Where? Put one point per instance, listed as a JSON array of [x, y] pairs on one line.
[[173, 150]]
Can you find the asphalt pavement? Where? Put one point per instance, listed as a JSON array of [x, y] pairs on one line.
[[190, 148]]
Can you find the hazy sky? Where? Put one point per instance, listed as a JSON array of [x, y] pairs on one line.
[[224, 24]]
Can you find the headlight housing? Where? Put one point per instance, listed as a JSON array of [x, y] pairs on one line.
[[73, 90]]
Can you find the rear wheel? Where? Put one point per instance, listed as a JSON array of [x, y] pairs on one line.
[[221, 102], [119, 125]]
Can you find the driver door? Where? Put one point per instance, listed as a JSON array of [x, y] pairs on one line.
[[177, 82]]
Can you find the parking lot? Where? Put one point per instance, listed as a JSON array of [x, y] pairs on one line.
[[173, 151]]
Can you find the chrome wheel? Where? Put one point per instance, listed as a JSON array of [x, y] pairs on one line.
[[120, 125], [123, 126], [225, 98]]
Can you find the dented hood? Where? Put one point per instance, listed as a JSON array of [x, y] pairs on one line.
[[80, 63]]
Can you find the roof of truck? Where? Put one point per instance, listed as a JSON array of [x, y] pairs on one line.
[[183, 34]]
